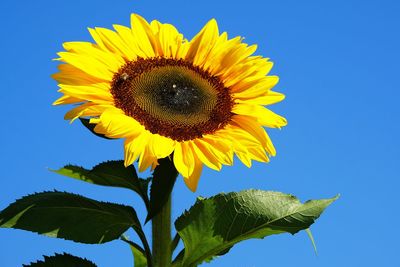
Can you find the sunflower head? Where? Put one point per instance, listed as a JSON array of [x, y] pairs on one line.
[[199, 101]]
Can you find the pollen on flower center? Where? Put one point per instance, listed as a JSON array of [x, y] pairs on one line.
[[172, 97], [179, 97]]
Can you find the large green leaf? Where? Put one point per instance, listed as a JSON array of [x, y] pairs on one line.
[[70, 216], [215, 224], [164, 177], [110, 173], [62, 260]]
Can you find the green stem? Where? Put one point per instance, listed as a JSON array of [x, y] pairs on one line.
[[161, 228]]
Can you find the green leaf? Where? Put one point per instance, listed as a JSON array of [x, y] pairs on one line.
[[62, 260], [90, 127], [110, 173], [164, 177], [69, 216], [215, 224], [139, 255]]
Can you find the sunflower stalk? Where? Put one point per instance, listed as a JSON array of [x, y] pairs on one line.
[[161, 229]]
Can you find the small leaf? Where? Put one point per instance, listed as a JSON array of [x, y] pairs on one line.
[[139, 255], [110, 173], [69, 216], [164, 177], [90, 127], [215, 224], [62, 260]]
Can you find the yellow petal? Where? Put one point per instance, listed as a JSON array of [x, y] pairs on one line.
[[134, 147], [193, 180], [88, 64], [216, 53], [244, 158], [146, 159], [242, 153], [126, 35], [142, 32], [115, 43], [221, 49], [66, 99], [254, 86], [264, 116], [218, 146], [202, 43], [183, 159], [73, 76], [170, 40], [232, 59], [205, 154], [237, 135], [161, 146], [114, 124], [269, 98], [264, 66], [98, 93], [258, 153], [251, 126], [96, 37], [238, 74], [109, 60], [76, 112], [87, 109], [155, 26], [245, 146]]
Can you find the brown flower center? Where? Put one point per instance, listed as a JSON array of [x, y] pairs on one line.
[[172, 97]]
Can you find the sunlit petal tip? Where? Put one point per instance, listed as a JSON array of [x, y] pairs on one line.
[[54, 76], [57, 102], [137, 20], [245, 159], [192, 181], [184, 159], [191, 184], [94, 120], [130, 156], [115, 26], [276, 77], [281, 122], [212, 23], [212, 27], [277, 97], [127, 162], [145, 161]]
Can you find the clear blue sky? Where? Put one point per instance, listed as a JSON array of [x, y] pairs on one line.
[[339, 67]]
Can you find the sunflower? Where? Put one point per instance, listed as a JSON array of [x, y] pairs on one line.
[[199, 101]]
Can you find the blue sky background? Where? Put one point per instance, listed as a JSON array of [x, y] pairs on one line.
[[339, 67]]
